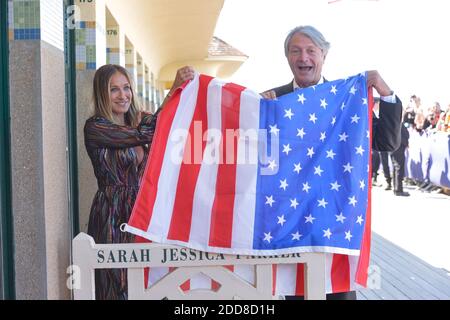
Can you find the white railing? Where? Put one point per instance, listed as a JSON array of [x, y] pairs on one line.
[[88, 256]]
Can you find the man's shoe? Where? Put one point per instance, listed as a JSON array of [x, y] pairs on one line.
[[402, 194], [388, 187]]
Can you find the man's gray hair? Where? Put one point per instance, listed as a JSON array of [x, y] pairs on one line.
[[310, 32]]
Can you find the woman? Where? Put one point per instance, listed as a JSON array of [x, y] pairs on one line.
[[117, 139]]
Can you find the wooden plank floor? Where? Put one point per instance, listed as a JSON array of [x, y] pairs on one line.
[[404, 276]]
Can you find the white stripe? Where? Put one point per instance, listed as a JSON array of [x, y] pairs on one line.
[[167, 184], [155, 274], [286, 277], [245, 272], [328, 264], [246, 172], [353, 262], [200, 281], [206, 182]]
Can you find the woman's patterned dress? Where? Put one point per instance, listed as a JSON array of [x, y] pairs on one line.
[[118, 173]]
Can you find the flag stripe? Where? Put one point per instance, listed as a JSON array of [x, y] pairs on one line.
[[203, 202], [300, 280], [246, 171], [165, 198], [222, 211], [143, 209], [187, 180], [340, 273], [364, 258], [285, 279]]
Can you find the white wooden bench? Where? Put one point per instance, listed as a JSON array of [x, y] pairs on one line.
[[88, 256]]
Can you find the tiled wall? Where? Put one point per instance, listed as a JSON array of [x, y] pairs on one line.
[[24, 19], [113, 55], [85, 38]]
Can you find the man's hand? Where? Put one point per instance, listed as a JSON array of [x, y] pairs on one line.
[[375, 80], [270, 94]]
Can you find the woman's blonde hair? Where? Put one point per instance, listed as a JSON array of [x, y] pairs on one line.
[[102, 89]]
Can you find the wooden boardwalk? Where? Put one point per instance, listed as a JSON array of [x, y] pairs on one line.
[[404, 276]]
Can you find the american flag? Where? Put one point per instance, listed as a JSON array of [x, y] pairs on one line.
[[233, 173]]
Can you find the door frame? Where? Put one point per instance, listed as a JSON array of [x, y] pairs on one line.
[[7, 274]]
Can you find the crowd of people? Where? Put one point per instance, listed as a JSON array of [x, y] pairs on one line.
[[426, 119], [416, 118]]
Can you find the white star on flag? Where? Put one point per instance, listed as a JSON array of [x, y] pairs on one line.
[[359, 150], [322, 203], [283, 184], [323, 103], [343, 137], [348, 235], [272, 165], [281, 220], [323, 136], [297, 168], [287, 149], [331, 154], [352, 201], [333, 90], [310, 219], [348, 168], [327, 233], [353, 90], [274, 129], [355, 118], [311, 152], [362, 185], [301, 133], [294, 203], [335, 186], [288, 114], [270, 200], [296, 236], [301, 98], [313, 118], [340, 218], [318, 171], [306, 187], [360, 220], [267, 237]]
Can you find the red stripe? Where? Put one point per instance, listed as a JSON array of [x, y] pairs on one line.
[[180, 225], [364, 256], [340, 273], [300, 280], [274, 278], [145, 200], [222, 210]]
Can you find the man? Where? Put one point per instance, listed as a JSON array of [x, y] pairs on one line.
[[380, 157], [306, 50], [398, 162]]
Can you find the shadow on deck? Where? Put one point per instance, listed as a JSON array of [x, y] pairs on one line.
[[404, 276]]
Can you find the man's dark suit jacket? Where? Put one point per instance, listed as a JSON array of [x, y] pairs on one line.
[[385, 137], [385, 129]]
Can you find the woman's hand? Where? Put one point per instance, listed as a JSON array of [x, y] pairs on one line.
[[183, 74]]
